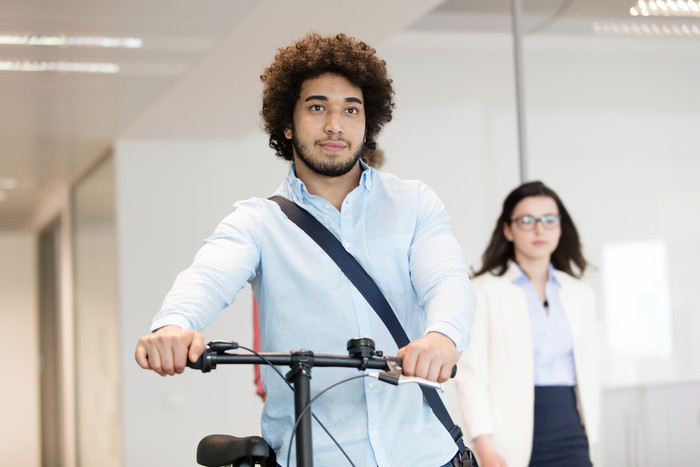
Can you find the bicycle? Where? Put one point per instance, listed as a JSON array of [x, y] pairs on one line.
[[227, 450]]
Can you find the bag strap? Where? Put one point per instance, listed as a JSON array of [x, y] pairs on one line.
[[370, 291]]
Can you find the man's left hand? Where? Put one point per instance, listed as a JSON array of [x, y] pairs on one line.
[[431, 357]]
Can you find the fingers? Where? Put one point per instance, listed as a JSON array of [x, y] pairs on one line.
[[166, 350], [421, 363], [431, 357], [141, 356]]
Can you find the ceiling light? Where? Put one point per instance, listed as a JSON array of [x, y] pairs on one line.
[[646, 29], [683, 8], [72, 67], [69, 41], [7, 183]]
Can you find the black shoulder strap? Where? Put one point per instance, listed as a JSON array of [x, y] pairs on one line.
[[369, 290]]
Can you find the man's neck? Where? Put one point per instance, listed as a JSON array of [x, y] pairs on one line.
[[332, 189]]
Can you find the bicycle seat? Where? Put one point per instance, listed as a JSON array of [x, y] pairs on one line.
[[221, 450]]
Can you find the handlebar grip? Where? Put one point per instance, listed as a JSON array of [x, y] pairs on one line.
[[195, 365], [204, 363], [399, 360]]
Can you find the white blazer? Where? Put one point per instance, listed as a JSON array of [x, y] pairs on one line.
[[495, 379]]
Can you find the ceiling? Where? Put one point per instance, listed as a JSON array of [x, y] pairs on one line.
[[55, 126]]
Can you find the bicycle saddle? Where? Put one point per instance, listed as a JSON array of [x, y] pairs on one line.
[[221, 450]]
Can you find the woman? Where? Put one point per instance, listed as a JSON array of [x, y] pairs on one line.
[[528, 381]]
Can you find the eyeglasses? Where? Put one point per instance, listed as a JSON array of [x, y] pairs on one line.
[[549, 221]]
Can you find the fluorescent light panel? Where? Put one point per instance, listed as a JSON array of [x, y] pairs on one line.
[[70, 67], [681, 8], [72, 41], [646, 29]]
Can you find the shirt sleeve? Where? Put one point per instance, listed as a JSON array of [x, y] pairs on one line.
[[439, 273], [226, 261]]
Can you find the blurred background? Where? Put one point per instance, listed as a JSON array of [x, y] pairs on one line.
[[130, 128]]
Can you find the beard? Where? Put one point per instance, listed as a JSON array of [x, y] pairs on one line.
[[325, 168]]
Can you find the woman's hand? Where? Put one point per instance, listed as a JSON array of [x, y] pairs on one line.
[[488, 457]]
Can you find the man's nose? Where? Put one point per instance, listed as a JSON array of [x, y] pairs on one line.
[[333, 125]]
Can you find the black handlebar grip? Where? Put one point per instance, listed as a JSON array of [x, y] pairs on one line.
[[205, 362], [399, 360], [195, 365]]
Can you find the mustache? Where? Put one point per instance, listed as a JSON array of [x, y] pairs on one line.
[[333, 140]]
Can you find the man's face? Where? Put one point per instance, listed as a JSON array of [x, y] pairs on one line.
[[328, 125]]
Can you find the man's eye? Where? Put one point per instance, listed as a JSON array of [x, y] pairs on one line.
[[316, 107], [352, 110]]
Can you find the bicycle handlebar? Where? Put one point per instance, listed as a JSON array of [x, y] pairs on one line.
[[215, 354]]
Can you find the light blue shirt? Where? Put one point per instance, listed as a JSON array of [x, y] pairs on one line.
[[552, 345], [400, 233]]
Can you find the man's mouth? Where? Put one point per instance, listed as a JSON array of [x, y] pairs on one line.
[[333, 146]]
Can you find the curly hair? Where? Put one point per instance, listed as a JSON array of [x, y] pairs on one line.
[[311, 57], [500, 251]]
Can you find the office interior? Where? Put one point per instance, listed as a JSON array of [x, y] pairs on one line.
[[113, 175]]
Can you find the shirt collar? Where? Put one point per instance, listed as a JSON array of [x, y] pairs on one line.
[[517, 276], [298, 190]]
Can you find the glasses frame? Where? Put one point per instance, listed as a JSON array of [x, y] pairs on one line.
[[548, 221]]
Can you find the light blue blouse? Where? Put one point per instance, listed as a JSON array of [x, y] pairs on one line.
[[552, 345]]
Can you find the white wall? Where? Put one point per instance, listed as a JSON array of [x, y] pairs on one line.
[[611, 127], [170, 197], [96, 316], [650, 425], [454, 125], [20, 436]]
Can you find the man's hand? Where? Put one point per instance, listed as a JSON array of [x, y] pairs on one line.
[[430, 357], [166, 350]]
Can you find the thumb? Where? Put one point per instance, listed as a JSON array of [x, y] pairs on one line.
[[196, 347]]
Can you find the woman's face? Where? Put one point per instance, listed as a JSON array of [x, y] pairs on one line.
[[538, 235]]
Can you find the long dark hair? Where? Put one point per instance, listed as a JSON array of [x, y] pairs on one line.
[[500, 250]]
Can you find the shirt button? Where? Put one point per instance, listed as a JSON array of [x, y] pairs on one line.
[[371, 385], [374, 433], [347, 244], [328, 206]]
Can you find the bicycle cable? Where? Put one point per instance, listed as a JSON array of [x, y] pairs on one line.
[[269, 363], [308, 406]]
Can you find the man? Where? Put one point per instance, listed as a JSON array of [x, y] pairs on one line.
[[325, 99]]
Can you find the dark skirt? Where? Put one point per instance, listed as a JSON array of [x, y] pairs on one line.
[[559, 438]]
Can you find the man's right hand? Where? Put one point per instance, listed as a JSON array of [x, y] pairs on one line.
[[166, 350]]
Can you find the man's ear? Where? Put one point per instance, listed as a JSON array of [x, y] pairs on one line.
[[288, 132]]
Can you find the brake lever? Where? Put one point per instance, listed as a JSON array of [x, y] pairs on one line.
[[394, 376]]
